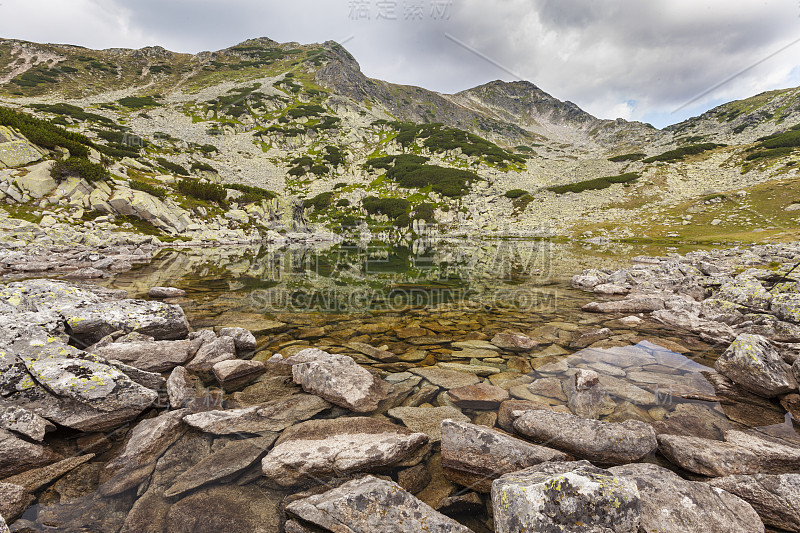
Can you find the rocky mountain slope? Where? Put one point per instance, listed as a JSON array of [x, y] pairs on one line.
[[265, 136]]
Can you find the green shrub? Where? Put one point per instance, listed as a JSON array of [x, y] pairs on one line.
[[333, 156], [158, 192], [410, 172], [320, 202], [515, 193], [626, 157], [208, 148], [594, 184], [72, 111], [172, 167], [202, 190], [394, 208], [45, 134], [680, 153], [138, 102], [773, 153], [306, 110], [79, 167], [251, 194], [297, 171], [344, 202], [199, 166], [424, 211], [319, 170], [790, 139]]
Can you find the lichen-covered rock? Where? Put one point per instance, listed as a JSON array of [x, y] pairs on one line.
[[604, 442], [752, 362], [672, 504], [341, 381], [569, 497], [746, 291], [487, 453], [321, 449], [372, 505], [786, 306], [24, 422], [156, 319]]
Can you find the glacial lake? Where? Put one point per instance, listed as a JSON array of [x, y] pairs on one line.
[[332, 296]]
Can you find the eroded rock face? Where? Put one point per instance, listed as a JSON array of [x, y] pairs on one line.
[[603, 442], [320, 449], [752, 362], [565, 497], [670, 503], [372, 505], [338, 379], [19, 455], [488, 453]]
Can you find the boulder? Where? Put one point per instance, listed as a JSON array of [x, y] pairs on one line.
[[155, 356], [269, 417], [180, 389], [478, 396], [487, 454], [565, 497], [774, 497], [603, 442], [159, 320], [243, 339], [145, 443], [514, 342], [14, 499], [672, 504], [341, 381], [16, 150], [211, 353], [37, 182], [631, 304], [165, 292], [786, 307], [510, 410], [38, 478], [320, 449], [24, 422], [237, 372], [371, 505], [752, 362]]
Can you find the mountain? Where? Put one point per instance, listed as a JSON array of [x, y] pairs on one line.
[[333, 147]]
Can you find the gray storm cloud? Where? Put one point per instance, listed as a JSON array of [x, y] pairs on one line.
[[615, 58]]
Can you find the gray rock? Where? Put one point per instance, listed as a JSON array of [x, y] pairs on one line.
[[156, 356], [565, 497], [24, 422], [158, 320], [14, 499], [20, 455], [478, 396], [774, 497], [746, 291], [631, 304], [320, 449], [585, 338], [672, 504], [588, 401], [180, 390], [786, 307], [603, 442], [740, 453], [752, 362], [211, 353], [145, 444], [165, 292], [270, 417], [230, 460], [514, 342], [237, 372], [427, 420], [487, 453], [372, 505], [338, 379], [589, 279], [244, 340]]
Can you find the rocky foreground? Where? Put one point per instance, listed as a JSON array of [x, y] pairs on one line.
[[116, 416]]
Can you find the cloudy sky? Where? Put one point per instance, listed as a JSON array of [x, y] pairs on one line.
[[659, 61]]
